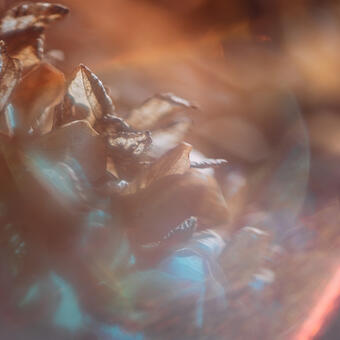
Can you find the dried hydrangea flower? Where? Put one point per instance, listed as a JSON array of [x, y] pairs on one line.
[[62, 140]]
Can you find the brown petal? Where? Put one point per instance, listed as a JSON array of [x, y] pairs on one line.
[[39, 90], [174, 162], [101, 103], [127, 150], [68, 111], [9, 75], [31, 14], [22, 28], [131, 143], [87, 90], [26, 45], [165, 203], [155, 108]]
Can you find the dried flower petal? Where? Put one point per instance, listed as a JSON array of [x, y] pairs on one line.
[[174, 162], [153, 211], [39, 90], [69, 111], [155, 108], [22, 28], [87, 90], [30, 14], [86, 96], [9, 75], [130, 143], [127, 150], [26, 45], [101, 104]]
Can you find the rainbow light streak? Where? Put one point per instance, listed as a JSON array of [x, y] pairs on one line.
[[322, 310]]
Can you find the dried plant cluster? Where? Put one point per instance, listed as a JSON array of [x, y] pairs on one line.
[[83, 187], [42, 112], [66, 153]]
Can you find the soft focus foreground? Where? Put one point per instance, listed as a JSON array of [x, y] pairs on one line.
[[87, 190]]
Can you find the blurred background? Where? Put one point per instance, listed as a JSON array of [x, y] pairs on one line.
[[265, 77]]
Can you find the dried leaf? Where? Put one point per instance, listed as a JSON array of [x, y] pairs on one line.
[[39, 90], [26, 45], [25, 15], [155, 108], [174, 162], [87, 90], [9, 75]]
